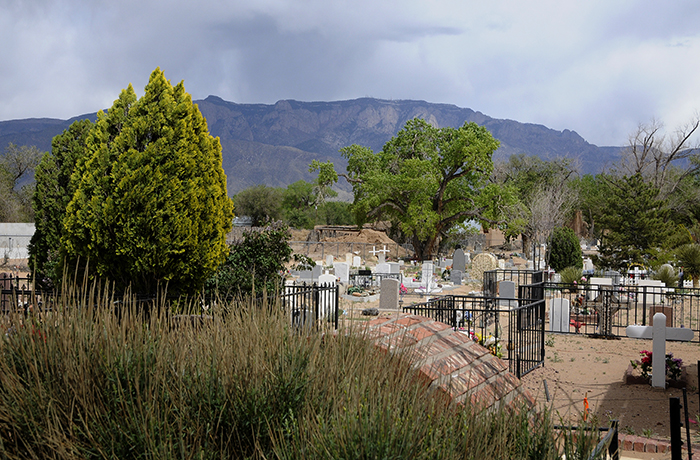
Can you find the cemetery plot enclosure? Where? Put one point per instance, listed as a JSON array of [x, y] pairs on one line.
[[513, 334], [605, 309]]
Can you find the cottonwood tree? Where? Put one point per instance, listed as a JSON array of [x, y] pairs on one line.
[[425, 180], [150, 207], [16, 165], [51, 197], [545, 197], [260, 202]]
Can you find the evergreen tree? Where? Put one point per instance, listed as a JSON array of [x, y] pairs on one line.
[[635, 224], [51, 197], [150, 206], [564, 249]]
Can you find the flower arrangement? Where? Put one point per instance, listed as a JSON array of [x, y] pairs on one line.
[[488, 341], [674, 366]]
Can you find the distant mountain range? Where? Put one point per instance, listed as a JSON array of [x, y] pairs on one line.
[[274, 144]]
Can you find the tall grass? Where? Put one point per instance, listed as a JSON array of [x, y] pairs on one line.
[[87, 381]]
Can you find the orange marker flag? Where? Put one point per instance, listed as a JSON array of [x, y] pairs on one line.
[[585, 407]]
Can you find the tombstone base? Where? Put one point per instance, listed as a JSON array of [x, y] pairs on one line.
[[668, 311]]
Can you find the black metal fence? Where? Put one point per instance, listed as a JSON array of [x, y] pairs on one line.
[[606, 310], [311, 305], [514, 333], [519, 277], [307, 304], [366, 279]]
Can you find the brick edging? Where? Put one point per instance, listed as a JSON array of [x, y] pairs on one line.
[[635, 443]]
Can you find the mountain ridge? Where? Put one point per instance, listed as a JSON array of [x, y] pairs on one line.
[[273, 144]]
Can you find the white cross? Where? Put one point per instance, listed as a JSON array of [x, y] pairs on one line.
[[382, 253]]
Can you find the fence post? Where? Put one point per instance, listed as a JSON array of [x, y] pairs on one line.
[[675, 409], [613, 448]]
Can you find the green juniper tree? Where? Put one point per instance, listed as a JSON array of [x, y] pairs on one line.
[[51, 197], [150, 206]]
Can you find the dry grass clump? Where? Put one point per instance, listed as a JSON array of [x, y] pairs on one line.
[[88, 381]]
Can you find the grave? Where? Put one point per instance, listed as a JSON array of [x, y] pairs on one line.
[[506, 290], [316, 272], [342, 271], [329, 260], [394, 268], [379, 253], [383, 268], [482, 262], [356, 261], [559, 315], [348, 258], [459, 262], [326, 303], [456, 277], [389, 294], [659, 334]]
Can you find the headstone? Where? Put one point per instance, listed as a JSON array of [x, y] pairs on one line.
[[356, 261], [329, 260], [348, 258], [501, 264], [594, 286], [559, 315], [427, 276], [458, 260], [506, 290], [650, 291], [588, 265], [394, 268], [326, 302], [342, 271], [305, 275], [482, 262], [382, 268], [316, 273], [456, 277], [467, 258], [389, 294]]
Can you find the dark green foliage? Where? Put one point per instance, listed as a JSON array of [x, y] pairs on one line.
[[51, 197], [261, 203], [564, 249], [689, 259], [635, 225], [150, 207], [336, 213], [255, 263]]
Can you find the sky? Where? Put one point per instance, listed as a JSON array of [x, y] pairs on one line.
[[600, 68]]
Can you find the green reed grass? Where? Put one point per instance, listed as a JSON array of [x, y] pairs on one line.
[[97, 379]]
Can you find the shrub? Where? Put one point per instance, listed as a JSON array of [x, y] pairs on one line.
[[667, 275], [564, 249]]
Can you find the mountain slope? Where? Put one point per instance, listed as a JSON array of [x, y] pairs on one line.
[[274, 144]]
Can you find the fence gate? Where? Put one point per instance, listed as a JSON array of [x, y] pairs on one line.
[[528, 323]]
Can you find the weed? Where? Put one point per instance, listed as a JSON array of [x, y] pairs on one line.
[[647, 433], [549, 342]]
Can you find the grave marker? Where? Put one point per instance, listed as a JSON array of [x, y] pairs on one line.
[[559, 314], [456, 277], [458, 260], [356, 261], [389, 294], [659, 333], [506, 290], [342, 271], [427, 276], [379, 253]]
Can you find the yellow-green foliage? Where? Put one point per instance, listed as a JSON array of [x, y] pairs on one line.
[[90, 380], [150, 204]]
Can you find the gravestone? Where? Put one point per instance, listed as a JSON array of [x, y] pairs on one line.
[[382, 268], [650, 291], [348, 258], [342, 271], [501, 264], [481, 263], [316, 272], [356, 261], [389, 294], [329, 260], [456, 277], [458, 260], [506, 290], [394, 268], [427, 276], [326, 302], [659, 333], [559, 314]]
